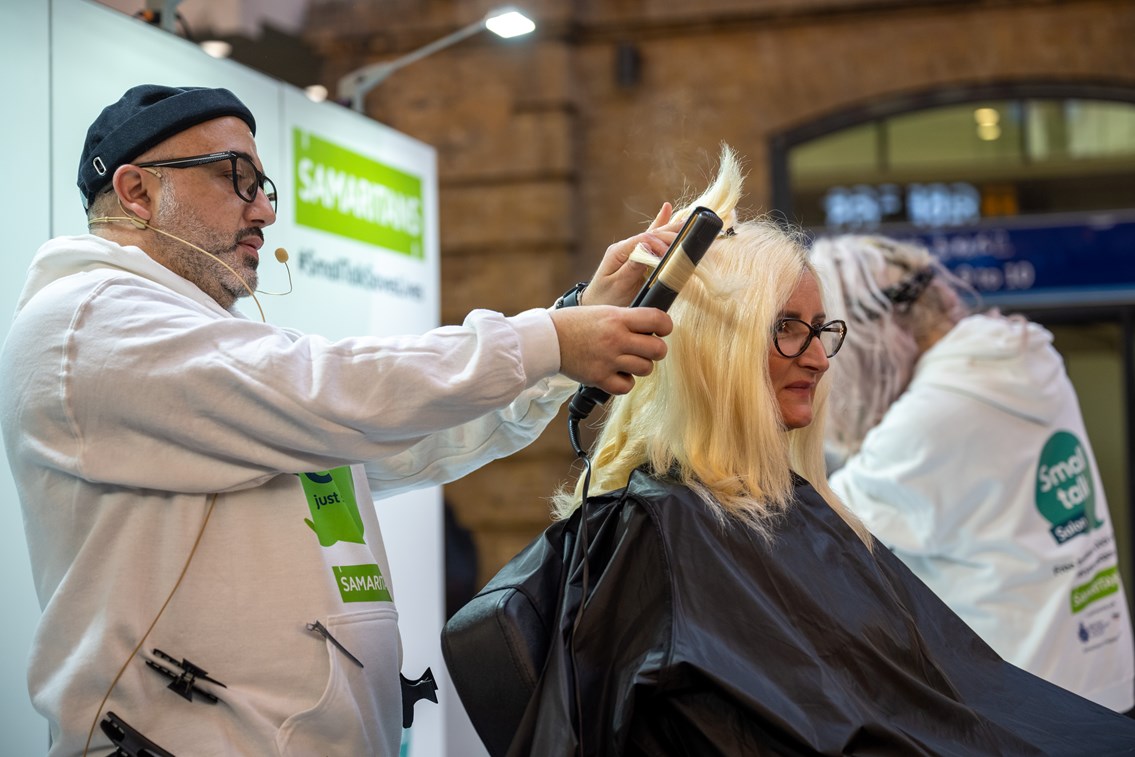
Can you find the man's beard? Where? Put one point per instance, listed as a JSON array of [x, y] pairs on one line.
[[204, 271]]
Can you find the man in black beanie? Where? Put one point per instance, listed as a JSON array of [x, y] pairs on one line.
[[196, 486], [150, 115]]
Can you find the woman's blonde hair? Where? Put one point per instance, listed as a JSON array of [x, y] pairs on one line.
[[707, 416]]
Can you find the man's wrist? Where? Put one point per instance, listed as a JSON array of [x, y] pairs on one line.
[[570, 298]]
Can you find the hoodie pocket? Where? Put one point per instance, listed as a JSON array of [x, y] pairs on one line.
[[360, 711]]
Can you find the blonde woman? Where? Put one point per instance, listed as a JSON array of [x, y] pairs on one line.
[[733, 605]]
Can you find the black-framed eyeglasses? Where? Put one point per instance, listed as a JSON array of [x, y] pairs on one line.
[[791, 336], [247, 178]]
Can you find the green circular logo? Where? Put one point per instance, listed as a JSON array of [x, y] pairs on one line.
[[1064, 492]]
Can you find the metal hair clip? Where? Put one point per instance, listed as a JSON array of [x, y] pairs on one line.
[[424, 687], [129, 741], [320, 629], [184, 682], [903, 294]]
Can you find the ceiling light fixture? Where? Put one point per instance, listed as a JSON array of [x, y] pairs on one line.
[[217, 48], [504, 22]]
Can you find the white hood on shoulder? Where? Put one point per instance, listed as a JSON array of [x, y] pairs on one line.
[[1007, 362], [62, 257]]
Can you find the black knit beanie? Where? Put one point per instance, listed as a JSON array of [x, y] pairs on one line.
[[143, 117]]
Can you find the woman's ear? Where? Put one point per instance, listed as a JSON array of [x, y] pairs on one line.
[[135, 189]]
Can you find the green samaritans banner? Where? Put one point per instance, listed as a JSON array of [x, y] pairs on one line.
[[345, 193]]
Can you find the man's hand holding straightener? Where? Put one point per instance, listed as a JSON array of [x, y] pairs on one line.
[[606, 344]]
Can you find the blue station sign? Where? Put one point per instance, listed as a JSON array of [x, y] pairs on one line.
[[1085, 259]]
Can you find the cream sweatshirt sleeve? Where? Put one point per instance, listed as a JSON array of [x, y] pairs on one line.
[[121, 381]]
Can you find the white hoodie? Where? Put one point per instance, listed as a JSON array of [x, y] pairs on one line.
[[132, 401], [982, 479]]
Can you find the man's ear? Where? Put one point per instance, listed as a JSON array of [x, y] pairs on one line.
[[135, 188]]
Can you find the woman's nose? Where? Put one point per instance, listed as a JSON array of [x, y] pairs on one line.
[[815, 356]]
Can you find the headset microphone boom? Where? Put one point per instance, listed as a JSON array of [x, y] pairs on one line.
[[141, 223]]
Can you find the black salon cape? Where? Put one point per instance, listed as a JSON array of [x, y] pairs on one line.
[[702, 639]]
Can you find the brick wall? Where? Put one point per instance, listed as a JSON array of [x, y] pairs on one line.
[[548, 151]]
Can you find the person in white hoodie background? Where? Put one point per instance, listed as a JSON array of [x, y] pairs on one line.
[[196, 485], [958, 439]]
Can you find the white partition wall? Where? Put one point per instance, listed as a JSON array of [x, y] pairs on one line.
[[25, 165], [357, 267]]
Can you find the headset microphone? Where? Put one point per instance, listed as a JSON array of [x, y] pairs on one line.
[[659, 291], [282, 256], [141, 223]]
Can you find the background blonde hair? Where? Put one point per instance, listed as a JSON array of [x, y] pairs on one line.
[[707, 415], [884, 341]]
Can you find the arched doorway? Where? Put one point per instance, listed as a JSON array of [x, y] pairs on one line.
[[1026, 190]]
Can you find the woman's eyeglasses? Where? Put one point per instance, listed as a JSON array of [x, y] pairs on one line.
[[791, 336], [247, 179]]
